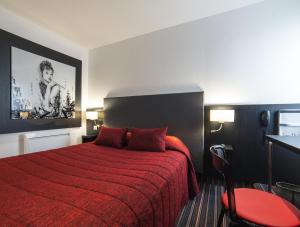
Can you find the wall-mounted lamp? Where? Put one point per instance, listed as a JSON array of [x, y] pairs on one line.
[[96, 115], [221, 116], [92, 115]]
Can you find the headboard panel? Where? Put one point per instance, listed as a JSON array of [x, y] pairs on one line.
[[181, 112]]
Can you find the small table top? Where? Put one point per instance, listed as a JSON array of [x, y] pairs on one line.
[[89, 136], [290, 142]]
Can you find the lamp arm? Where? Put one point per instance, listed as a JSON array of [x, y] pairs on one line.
[[216, 130], [96, 124]]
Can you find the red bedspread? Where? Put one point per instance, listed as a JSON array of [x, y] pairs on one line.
[[86, 185]]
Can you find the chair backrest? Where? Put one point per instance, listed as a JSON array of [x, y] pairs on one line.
[[222, 165]]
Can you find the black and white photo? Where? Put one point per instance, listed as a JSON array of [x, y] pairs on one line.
[[41, 88]]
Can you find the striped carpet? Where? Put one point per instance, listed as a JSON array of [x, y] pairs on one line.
[[205, 208]]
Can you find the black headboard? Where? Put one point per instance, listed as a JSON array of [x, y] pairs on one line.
[[183, 113]]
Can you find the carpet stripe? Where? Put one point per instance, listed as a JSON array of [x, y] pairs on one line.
[[200, 208], [188, 222], [205, 208]]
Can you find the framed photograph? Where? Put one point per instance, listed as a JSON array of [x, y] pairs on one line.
[[40, 88]]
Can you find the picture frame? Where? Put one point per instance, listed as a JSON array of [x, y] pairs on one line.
[[14, 54]]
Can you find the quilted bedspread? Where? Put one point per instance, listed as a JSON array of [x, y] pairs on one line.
[[90, 185]]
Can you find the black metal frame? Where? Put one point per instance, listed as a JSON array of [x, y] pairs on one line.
[[222, 164], [8, 125]]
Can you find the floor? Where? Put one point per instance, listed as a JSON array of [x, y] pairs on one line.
[[204, 210]]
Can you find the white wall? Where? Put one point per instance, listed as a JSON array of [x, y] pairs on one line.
[[245, 56], [10, 144]]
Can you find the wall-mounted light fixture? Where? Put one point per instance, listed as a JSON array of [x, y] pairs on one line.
[[221, 116], [96, 115], [92, 115]]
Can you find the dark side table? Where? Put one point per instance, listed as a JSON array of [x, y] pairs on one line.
[[291, 143], [88, 138]]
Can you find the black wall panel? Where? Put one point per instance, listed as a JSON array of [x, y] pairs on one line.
[[247, 136]]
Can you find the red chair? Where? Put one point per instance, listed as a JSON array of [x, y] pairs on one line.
[[251, 206]]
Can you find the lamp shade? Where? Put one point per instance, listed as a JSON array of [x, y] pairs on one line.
[[222, 115], [92, 115]]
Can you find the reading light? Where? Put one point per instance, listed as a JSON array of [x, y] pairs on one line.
[[92, 115], [96, 115], [221, 116]]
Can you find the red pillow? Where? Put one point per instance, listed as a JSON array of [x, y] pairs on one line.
[[114, 137], [148, 139]]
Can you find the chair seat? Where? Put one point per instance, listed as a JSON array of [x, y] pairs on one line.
[[264, 208]]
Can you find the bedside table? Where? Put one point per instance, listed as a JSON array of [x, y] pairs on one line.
[[88, 138]]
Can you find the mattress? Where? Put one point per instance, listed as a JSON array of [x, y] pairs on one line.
[[91, 185]]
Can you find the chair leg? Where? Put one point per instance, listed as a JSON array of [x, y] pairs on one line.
[[220, 220]]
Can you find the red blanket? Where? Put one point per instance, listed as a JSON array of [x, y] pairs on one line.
[[86, 185]]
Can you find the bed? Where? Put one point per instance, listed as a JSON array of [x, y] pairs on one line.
[[91, 185]]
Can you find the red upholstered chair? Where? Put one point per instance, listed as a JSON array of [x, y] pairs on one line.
[[246, 205]]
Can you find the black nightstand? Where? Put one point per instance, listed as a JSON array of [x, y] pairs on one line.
[[88, 138]]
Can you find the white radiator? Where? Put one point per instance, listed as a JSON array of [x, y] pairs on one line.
[[41, 141]]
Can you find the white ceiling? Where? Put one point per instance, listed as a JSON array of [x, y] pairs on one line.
[[94, 23]]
